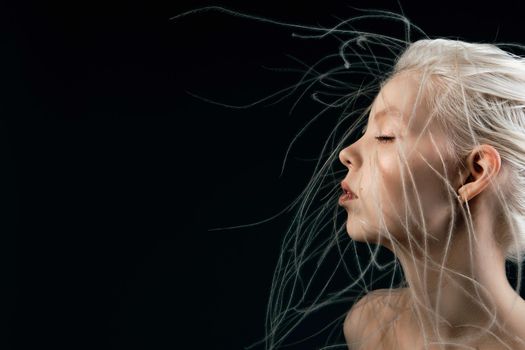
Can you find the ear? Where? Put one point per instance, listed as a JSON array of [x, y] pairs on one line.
[[483, 164]]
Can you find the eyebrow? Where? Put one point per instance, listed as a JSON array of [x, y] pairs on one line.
[[385, 111], [382, 113]]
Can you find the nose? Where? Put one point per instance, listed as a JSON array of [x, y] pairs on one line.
[[344, 157]]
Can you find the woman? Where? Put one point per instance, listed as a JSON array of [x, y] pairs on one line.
[[437, 178], [443, 154]]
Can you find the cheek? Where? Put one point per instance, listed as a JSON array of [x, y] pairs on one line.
[[391, 184], [385, 202], [393, 198], [399, 194]]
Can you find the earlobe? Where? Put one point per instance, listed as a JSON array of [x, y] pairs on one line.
[[465, 177], [460, 194]]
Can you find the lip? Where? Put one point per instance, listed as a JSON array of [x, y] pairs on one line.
[[347, 195]]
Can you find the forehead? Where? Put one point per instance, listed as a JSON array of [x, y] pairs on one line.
[[398, 100]]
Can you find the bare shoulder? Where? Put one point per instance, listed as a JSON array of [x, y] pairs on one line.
[[370, 316]]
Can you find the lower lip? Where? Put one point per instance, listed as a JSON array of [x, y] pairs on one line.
[[345, 197]]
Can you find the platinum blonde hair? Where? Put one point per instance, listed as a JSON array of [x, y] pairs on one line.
[[477, 92], [474, 91]]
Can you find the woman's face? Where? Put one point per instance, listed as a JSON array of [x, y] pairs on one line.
[[377, 173]]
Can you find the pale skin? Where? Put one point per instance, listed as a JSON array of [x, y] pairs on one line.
[[406, 314]]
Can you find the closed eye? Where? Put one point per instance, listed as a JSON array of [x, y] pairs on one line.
[[384, 139]]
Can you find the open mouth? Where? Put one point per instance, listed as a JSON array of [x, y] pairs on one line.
[[347, 191], [347, 195]]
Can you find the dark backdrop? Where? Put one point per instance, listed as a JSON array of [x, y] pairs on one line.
[[113, 173]]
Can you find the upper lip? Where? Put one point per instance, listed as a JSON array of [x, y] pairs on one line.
[[347, 189]]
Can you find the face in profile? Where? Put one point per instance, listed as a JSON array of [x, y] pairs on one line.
[[392, 169]]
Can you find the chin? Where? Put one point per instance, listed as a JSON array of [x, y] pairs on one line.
[[359, 234]]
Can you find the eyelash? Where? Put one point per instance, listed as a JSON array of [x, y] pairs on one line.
[[384, 139], [381, 139]]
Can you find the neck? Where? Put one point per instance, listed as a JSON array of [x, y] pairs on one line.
[[455, 294]]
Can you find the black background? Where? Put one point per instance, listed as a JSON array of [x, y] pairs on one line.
[[113, 173]]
